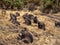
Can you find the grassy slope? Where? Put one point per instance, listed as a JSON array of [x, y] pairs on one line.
[[8, 35]]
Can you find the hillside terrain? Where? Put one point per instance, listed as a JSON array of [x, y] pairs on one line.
[[9, 32]]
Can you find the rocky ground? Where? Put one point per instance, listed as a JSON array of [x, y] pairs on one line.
[[9, 32]]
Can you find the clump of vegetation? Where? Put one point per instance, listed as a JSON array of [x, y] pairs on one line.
[[45, 5], [12, 3], [49, 5]]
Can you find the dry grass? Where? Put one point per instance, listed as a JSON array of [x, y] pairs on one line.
[[8, 34]]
